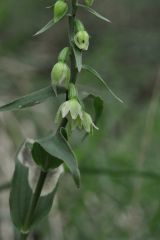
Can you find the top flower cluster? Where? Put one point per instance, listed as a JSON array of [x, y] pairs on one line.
[[61, 75]]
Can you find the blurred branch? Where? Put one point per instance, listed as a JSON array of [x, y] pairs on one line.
[[120, 173], [107, 172]]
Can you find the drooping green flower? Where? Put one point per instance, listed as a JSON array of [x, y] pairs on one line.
[[81, 40], [89, 2], [70, 109], [60, 9], [60, 73], [87, 122]]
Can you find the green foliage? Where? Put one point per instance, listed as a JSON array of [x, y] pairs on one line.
[[20, 198], [54, 150], [32, 99]]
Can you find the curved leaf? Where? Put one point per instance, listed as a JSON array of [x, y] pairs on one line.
[[97, 75], [21, 195], [54, 150], [94, 12], [45, 28], [31, 99]]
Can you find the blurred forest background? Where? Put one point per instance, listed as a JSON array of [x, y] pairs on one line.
[[119, 198]]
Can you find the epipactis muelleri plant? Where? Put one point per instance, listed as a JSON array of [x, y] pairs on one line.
[[39, 162]]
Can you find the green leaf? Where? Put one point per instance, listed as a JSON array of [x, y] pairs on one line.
[[94, 12], [20, 195], [42, 158], [54, 150], [78, 57], [20, 198], [97, 75], [31, 99], [43, 207], [45, 28]]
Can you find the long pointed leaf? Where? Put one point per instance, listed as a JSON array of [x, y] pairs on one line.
[[97, 75], [94, 12], [31, 99], [45, 28]]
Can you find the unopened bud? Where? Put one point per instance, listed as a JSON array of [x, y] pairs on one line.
[[72, 91], [81, 40], [89, 2], [60, 9], [60, 73], [79, 26], [64, 55]]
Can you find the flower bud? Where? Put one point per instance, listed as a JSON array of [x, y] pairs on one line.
[[60, 73], [79, 26], [72, 91], [60, 9], [64, 55], [81, 40], [89, 2], [87, 123]]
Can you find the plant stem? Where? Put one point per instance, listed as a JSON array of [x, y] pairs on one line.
[[74, 72], [33, 204]]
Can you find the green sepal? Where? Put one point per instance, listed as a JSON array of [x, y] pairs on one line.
[[78, 25], [64, 55]]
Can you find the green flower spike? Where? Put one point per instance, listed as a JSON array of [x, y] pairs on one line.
[[60, 10], [87, 123], [60, 73], [89, 2], [81, 40]]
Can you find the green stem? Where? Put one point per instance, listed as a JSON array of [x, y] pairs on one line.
[[74, 71], [33, 204]]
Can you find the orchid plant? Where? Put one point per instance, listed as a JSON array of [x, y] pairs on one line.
[[39, 162]]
